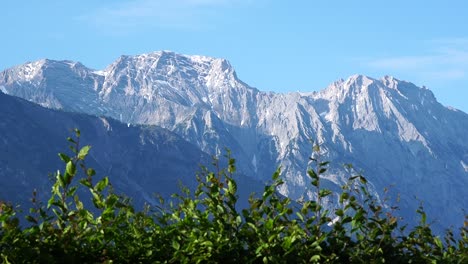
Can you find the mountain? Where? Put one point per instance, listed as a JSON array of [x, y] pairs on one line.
[[395, 132], [141, 161]]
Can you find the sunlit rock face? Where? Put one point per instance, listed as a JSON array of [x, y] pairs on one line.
[[396, 133]]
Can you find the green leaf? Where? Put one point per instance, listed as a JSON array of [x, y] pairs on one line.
[[220, 208], [251, 225], [276, 174], [268, 192], [50, 202], [316, 148], [79, 204], [31, 219], [97, 201], [83, 152], [339, 212], [362, 179], [64, 157], [315, 258], [73, 149], [72, 191], [232, 187], [315, 183], [300, 216], [238, 220], [346, 219], [112, 200], [90, 172], [271, 238], [67, 178], [60, 182], [287, 242], [86, 183], [423, 217], [312, 174], [175, 245], [71, 168], [344, 196], [232, 165], [324, 192], [101, 184], [438, 243], [269, 224]]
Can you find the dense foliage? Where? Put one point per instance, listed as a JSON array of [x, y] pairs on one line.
[[205, 225]]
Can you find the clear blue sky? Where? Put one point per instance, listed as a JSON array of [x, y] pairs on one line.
[[274, 45]]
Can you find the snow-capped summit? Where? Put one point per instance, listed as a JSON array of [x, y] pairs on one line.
[[393, 130]]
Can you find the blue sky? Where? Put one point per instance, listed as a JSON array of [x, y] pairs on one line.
[[273, 45]]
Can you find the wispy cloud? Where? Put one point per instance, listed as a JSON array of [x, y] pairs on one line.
[[446, 59], [165, 14]]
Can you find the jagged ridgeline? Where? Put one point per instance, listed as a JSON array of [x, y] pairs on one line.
[[395, 132]]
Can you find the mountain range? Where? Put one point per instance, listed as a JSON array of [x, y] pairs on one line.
[[392, 131]]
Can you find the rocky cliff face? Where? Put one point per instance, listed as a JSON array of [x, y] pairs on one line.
[[396, 133]]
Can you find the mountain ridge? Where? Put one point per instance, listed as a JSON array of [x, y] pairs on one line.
[[168, 55], [392, 129]]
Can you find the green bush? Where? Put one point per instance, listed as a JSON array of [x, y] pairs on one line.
[[205, 226]]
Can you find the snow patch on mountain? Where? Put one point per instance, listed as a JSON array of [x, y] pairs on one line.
[[106, 123], [30, 70], [464, 165], [100, 73]]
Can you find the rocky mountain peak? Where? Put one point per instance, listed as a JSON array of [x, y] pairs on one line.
[[359, 79], [351, 88], [390, 81], [394, 130]]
